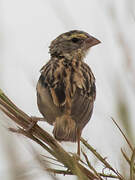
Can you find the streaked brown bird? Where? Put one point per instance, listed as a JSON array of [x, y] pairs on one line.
[[66, 88]]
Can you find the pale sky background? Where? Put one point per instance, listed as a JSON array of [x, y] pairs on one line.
[[27, 28]]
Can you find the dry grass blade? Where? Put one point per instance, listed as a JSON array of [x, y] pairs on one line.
[[131, 147], [103, 160], [125, 156], [108, 176], [44, 139], [91, 167], [52, 161], [44, 165], [49, 162], [57, 171], [132, 174], [127, 159]]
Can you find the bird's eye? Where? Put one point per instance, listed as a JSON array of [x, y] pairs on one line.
[[75, 40]]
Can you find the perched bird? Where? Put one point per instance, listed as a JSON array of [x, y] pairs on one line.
[[66, 88]]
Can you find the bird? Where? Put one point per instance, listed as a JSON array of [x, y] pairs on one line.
[[66, 88]]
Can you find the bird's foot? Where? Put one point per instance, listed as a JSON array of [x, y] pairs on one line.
[[33, 122]]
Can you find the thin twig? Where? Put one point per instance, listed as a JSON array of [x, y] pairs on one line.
[[50, 158], [132, 174], [54, 163], [57, 171], [125, 156], [103, 160], [91, 167], [108, 175], [128, 142], [127, 159]]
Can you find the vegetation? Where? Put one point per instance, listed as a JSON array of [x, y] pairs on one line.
[[71, 163]]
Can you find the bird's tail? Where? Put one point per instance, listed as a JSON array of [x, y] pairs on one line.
[[65, 129]]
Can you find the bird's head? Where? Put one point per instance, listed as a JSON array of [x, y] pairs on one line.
[[72, 43]]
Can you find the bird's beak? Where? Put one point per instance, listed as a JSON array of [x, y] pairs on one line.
[[91, 41]]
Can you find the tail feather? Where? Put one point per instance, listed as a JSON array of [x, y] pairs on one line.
[[65, 129]]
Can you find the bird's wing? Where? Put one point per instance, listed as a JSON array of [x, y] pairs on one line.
[[52, 76], [84, 96]]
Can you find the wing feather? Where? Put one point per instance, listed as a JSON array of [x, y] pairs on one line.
[[83, 99]]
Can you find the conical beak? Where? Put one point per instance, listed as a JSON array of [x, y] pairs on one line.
[[91, 41]]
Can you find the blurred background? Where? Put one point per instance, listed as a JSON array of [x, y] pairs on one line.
[[27, 28]]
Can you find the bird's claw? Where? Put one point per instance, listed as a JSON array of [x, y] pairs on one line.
[[33, 122]]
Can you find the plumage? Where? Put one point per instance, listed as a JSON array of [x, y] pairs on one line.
[[66, 88]]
